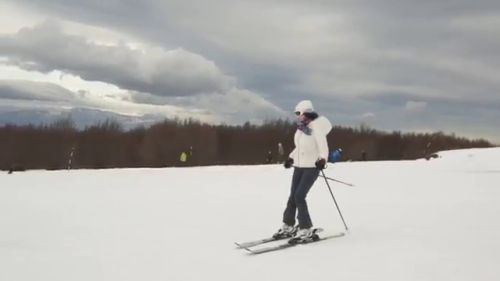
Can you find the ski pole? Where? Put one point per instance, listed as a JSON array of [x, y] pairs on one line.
[[346, 183], [335, 201]]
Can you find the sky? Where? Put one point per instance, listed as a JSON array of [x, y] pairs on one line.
[[411, 66]]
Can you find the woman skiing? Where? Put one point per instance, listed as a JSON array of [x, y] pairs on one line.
[[308, 158]]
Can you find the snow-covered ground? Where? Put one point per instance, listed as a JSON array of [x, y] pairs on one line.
[[408, 220]]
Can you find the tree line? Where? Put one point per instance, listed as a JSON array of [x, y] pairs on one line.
[[107, 145]]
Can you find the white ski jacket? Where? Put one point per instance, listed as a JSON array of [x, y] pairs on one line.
[[310, 148]]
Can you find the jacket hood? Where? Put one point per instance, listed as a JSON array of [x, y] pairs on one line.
[[322, 125]]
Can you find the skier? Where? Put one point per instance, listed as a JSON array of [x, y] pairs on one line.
[[335, 156], [269, 157], [308, 158], [183, 157], [281, 152]]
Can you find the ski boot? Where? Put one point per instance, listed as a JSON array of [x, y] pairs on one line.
[[305, 235], [286, 231]]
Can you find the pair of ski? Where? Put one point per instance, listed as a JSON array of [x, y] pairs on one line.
[[291, 242]]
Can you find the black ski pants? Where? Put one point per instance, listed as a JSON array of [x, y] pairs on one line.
[[302, 181]]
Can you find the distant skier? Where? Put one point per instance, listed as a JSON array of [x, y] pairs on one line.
[[281, 152], [183, 157], [335, 156], [269, 157], [308, 158]]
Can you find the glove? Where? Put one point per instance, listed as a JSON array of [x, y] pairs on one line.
[[288, 163], [320, 164]]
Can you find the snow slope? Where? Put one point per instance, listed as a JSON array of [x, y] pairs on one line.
[[408, 220]]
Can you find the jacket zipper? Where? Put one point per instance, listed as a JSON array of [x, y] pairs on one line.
[[298, 149]]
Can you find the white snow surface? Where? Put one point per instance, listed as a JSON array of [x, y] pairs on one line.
[[408, 220]]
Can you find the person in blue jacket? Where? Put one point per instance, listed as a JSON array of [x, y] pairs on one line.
[[335, 156]]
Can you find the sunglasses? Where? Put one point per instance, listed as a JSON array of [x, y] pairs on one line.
[[298, 113]]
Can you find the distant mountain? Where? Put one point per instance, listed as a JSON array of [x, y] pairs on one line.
[[82, 117]]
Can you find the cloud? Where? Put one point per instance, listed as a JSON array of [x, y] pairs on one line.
[[238, 106], [162, 72], [35, 91], [368, 115], [233, 107], [150, 76], [415, 106], [21, 94]]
